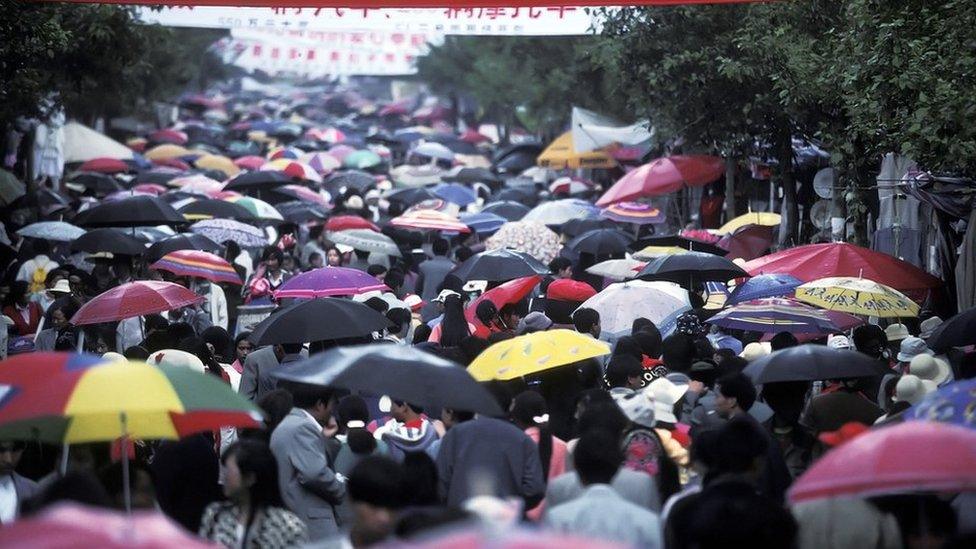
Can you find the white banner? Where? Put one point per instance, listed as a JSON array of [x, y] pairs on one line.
[[528, 21]]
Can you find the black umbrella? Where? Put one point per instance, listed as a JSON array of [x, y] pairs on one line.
[[297, 211], [472, 175], [136, 211], [678, 242], [600, 242], [509, 209], [523, 195], [958, 331], [257, 180], [98, 183], [689, 268], [184, 241], [578, 226], [402, 373], [410, 196], [158, 176], [108, 240], [211, 208], [498, 266], [337, 319], [517, 162], [814, 363], [351, 179]]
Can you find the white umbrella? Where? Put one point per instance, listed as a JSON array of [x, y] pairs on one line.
[[621, 303], [617, 269], [365, 240], [558, 212], [58, 231], [434, 150]]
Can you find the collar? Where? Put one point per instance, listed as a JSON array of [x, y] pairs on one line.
[[602, 490], [308, 415]]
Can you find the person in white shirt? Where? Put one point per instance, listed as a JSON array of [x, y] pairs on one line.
[[216, 302]]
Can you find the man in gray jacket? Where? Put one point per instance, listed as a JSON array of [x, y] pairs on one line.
[[310, 486], [433, 271], [257, 379]]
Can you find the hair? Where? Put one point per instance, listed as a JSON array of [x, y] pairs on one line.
[[723, 355], [218, 337], [377, 481], [75, 486], [597, 457], [420, 480], [584, 319], [649, 339], [394, 279], [627, 346], [486, 311], [421, 334], [136, 352], [353, 408], [378, 304], [783, 340], [621, 368], [255, 458], [315, 231], [558, 264], [110, 477], [155, 322], [276, 406], [375, 270], [471, 347], [704, 350], [738, 386], [678, 352], [178, 331], [603, 415], [440, 247], [18, 289], [305, 395], [870, 339], [499, 336], [399, 318], [198, 347], [726, 516], [241, 337], [526, 406], [463, 253], [454, 326]]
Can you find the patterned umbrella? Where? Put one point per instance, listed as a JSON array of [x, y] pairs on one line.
[[617, 269], [58, 231], [774, 314], [857, 296], [758, 287], [329, 281], [366, 240], [429, 220], [558, 212], [530, 237], [143, 297], [955, 403], [195, 263], [293, 169], [621, 303], [637, 213], [221, 230]]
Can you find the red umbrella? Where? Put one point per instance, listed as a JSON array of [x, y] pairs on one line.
[[104, 165], [892, 460], [512, 291], [139, 298], [346, 222], [171, 163], [169, 136], [815, 261], [747, 242], [250, 162], [663, 176]]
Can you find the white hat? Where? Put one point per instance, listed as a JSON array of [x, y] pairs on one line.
[[838, 342], [175, 358], [912, 347], [930, 368], [665, 395], [637, 406], [912, 389], [61, 287], [897, 332], [441, 297], [755, 351], [928, 326]]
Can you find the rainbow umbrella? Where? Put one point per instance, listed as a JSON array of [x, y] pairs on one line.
[[198, 264], [429, 220], [775, 314], [290, 153], [637, 213]]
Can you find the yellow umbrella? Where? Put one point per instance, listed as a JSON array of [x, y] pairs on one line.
[[651, 252], [857, 296], [536, 352], [219, 163], [166, 151], [751, 218], [561, 154]]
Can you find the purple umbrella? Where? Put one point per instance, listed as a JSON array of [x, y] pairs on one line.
[[774, 315], [329, 281]]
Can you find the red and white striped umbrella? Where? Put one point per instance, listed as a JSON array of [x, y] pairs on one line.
[[430, 220]]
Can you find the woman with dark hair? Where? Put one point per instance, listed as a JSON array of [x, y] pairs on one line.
[[453, 327], [254, 515], [352, 416], [269, 275], [242, 348], [333, 257], [57, 321], [529, 413], [25, 314]]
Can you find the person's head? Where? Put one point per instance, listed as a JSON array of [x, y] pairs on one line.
[[419, 480], [627, 345], [529, 409], [53, 277], [377, 271], [273, 258], [421, 334], [404, 411], [440, 247], [154, 323], [315, 260], [196, 346], [509, 315], [624, 371], [561, 267], [289, 263], [462, 253], [99, 340], [394, 279], [333, 257], [587, 321], [649, 340], [678, 352], [375, 488], [251, 474], [400, 321], [10, 454], [61, 312], [486, 312], [783, 340], [275, 405], [137, 353], [454, 326], [142, 490], [734, 394], [871, 340], [314, 399], [352, 416], [450, 417], [18, 295], [220, 343], [242, 346], [597, 457]]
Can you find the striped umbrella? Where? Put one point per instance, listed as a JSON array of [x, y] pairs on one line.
[[637, 213], [429, 220], [294, 169], [222, 230], [775, 314], [290, 153], [198, 264], [322, 162], [260, 208]]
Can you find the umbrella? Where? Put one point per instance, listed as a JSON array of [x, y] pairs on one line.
[[166, 152], [558, 212], [456, 193], [183, 241], [194, 263], [322, 162], [286, 153], [131, 212], [143, 297], [353, 179], [621, 303], [570, 186], [112, 241], [689, 244], [748, 242], [366, 240], [429, 220], [293, 169], [299, 192], [168, 135], [483, 223], [329, 135], [250, 162], [346, 318], [813, 363], [340, 152], [297, 211], [258, 208], [664, 176], [915, 456], [954, 403], [74, 526], [104, 165], [857, 296], [413, 176], [691, 267], [510, 210], [58, 231], [433, 150], [758, 287], [752, 218], [653, 252], [815, 261], [219, 163], [637, 213], [510, 292], [499, 265], [534, 353], [958, 331], [149, 188], [600, 242], [174, 163], [617, 269], [576, 227], [511, 538], [257, 180], [197, 184], [471, 175], [362, 160], [346, 222], [529, 237], [329, 281], [562, 154], [402, 373], [98, 183], [211, 208], [774, 314], [222, 230], [410, 196]]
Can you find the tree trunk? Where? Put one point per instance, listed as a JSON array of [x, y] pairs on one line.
[[787, 228], [730, 187]]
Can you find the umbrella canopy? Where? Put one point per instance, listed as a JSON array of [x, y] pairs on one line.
[[293, 169], [534, 353], [558, 212], [322, 162], [58, 231], [131, 212], [562, 154], [97, 183], [257, 180], [499, 265], [297, 211], [748, 242], [509, 209], [108, 240], [758, 287], [402, 373], [414, 176], [250, 162], [184, 241], [434, 150], [570, 186], [772, 315], [285, 153], [257, 208], [347, 318], [689, 244], [617, 269], [576, 227], [691, 267], [857, 296], [346, 222], [143, 297], [195, 263], [222, 230], [752, 218], [366, 240], [621, 303], [483, 223], [219, 163], [10, 187], [197, 184], [353, 179], [664, 176], [510, 292], [953, 403], [471, 175], [637, 213], [429, 220], [211, 208], [894, 460], [409, 196], [530, 237], [329, 281], [653, 252], [75, 398], [456, 193], [104, 165], [168, 135], [362, 160], [600, 242], [340, 152], [82, 143], [815, 261], [958, 331], [511, 538], [167, 151], [813, 363], [300, 192]]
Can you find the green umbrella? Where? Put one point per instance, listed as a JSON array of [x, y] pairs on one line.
[[361, 160]]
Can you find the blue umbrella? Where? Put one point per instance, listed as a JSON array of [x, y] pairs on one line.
[[482, 222], [456, 193], [762, 286], [955, 403]]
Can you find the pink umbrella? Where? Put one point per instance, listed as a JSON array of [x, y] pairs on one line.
[[171, 163], [430, 220], [133, 299], [329, 281], [510, 538], [150, 188], [894, 460], [748, 242], [510, 292], [104, 165], [169, 135], [250, 162], [663, 176], [472, 136]]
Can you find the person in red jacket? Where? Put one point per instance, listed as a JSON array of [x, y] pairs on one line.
[[25, 313]]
